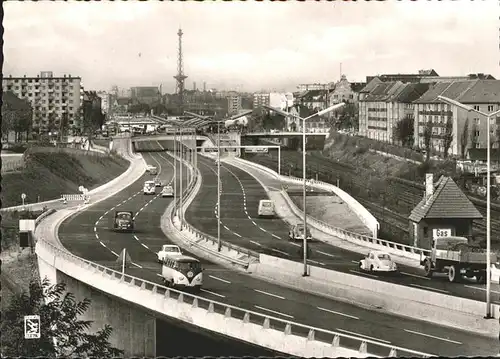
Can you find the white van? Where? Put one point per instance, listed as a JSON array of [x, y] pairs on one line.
[[149, 187], [266, 208], [182, 271]]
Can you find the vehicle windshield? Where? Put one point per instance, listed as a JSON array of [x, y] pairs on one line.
[[189, 266], [171, 249], [123, 215], [384, 257], [267, 204]]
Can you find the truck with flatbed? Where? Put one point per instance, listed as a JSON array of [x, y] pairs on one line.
[[458, 258]]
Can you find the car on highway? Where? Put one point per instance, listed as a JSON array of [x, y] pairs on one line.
[[168, 250], [124, 221], [378, 261], [167, 191], [153, 170], [149, 187], [296, 232], [182, 272], [158, 183], [266, 208]]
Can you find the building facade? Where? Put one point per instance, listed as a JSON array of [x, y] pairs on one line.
[[260, 99], [105, 101], [345, 91], [145, 94], [315, 87], [53, 99], [388, 103], [233, 103], [469, 129]]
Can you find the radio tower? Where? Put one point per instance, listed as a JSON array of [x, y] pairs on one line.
[[180, 77]]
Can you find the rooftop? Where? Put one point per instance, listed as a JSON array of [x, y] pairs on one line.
[[447, 201], [476, 91]]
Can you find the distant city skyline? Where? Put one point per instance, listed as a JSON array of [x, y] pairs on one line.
[[247, 46]]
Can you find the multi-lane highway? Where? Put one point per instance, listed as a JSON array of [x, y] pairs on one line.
[[88, 234], [241, 225]]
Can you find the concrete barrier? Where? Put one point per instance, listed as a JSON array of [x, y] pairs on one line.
[[401, 300]]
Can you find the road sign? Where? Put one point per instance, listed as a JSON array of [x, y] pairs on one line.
[[23, 196], [31, 327], [440, 232], [27, 225]]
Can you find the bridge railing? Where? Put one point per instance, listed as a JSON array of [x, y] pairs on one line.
[[267, 322]]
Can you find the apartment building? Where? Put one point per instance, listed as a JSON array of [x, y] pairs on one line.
[[315, 87], [105, 101], [469, 129], [386, 105], [260, 99], [52, 99], [233, 103]]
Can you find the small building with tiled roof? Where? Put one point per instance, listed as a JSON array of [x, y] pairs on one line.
[[444, 211], [468, 128], [345, 91]]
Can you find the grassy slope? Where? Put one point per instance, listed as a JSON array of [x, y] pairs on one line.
[[49, 175]]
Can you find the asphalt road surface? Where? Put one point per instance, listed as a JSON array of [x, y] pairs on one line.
[[88, 234]]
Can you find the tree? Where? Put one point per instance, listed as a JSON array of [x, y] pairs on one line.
[[448, 137], [428, 139], [404, 131], [62, 333], [473, 137], [348, 117], [464, 139]]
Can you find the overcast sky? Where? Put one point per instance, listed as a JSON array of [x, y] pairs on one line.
[[248, 45]]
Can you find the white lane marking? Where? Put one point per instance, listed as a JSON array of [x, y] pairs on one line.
[[277, 250], [367, 274], [116, 254], [320, 263], [262, 229], [102, 244], [137, 239], [432, 336], [270, 294], [256, 243], [327, 254], [137, 265], [145, 246], [362, 335], [273, 311], [338, 313], [356, 262], [415, 275], [429, 288], [159, 275], [479, 288], [237, 234], [220, 279], [275, 236], [226, 227], [249, 216], [216, 294], [254, 223], [295, 244]]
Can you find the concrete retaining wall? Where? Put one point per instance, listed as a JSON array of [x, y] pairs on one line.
[[379, 295]]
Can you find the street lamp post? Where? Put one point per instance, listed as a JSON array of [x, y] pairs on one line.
[[488, 116], [175, 172], [320, 113], [181, 147]]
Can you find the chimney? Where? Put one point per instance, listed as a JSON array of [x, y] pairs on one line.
[[429, 186]]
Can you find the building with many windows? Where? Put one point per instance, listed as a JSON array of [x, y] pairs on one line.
[[345, 91], [105, 101], [260, 99], [233, 103], [468, 128], [52, 99], [386, 105]]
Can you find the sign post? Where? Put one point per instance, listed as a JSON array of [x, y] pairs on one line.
[[31, 327], [23, 197]]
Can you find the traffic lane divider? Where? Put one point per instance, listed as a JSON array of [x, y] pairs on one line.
[[405, 301]]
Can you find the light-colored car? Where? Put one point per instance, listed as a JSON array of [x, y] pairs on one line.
[[168, 250], [149, 187], [167, 191], [296, 232], [153, 171], [158, 183], [378, 261]]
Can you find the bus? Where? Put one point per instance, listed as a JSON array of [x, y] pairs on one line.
[[182, 272]]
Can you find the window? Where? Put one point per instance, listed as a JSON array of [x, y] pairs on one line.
[[490, 108], [476, 107], [476, 120], [478, 145]]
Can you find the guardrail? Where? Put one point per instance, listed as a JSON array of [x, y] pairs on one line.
[[191, 194], [367, 241], [163, 295], [44, 215]]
